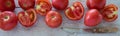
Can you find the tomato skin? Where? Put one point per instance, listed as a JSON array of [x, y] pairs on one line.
[[75, 12], [96, 4], [43, 7], [8, 20], [112, 10], [26, 4], [53, 19], [7, 5], [60, 4], [27, 18], [92, 18]]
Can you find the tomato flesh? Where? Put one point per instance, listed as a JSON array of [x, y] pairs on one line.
[[27, 18], [75, 12], [110, 12], [43, 6]]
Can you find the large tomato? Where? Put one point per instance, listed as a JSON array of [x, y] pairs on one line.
[[75, 12], [96, 4], [110, 12], [7, 5], [8, 20], [92, 18], [43, 6], [27, 18], [60, 4], [53, 19], [26, 4]]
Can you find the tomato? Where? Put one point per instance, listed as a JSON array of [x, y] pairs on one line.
[[7, 5], [60, 4], [92, 18], [96, 4], [43, 7], [26, 4], [53, 19], [8, 20], [27, 18], [110, 12], [75, 12]]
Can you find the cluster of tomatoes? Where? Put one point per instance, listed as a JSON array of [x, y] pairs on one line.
[[97, 12]]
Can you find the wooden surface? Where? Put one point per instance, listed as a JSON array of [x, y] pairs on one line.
[[41, 29]]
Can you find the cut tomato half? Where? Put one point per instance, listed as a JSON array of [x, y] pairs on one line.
[[110, 12], [75, 12]]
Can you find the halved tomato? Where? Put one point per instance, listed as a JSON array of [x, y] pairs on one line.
[[75, 12], [110, 12], [27, 18], [43, 6]]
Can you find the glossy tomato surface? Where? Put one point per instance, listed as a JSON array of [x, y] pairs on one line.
[[26, 4], [60, 4], [8, 20], [7, 5], [27, 18], [43, 7], [53, 19], [92, 18], [110, 12], [75, 12], [96, 4]]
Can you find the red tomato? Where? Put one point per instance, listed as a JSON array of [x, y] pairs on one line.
[[53, 19], [7, 5], [92, 18], [8, 20], [27, 18], [96, 4], [60, 4], [110, 13], [43, 7], [75, 12], [26, 4]]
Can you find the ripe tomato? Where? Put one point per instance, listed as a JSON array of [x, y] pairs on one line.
[[7, 5], [27, 18], [43, 6], [96, 4], [8, 20], [92, 18], [60, 4], [26, 4], [75, 12], [53, 19], [110, 12]]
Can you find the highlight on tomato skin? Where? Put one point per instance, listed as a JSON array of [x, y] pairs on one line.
[[75, 12], [8, 20], [43, 7], [27, 18], [110, 13]]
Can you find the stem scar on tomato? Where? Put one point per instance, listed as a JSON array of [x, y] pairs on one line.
[[6, 18], [8, 3]]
